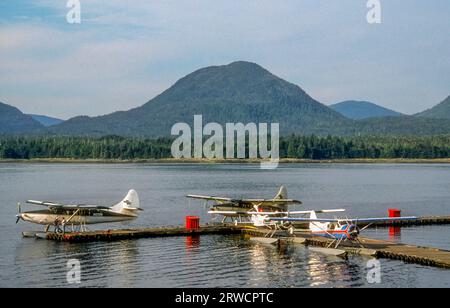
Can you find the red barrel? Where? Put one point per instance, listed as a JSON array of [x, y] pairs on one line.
[[192, 222], [394, 213]]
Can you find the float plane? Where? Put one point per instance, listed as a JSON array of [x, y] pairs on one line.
[[61, 215], [246, 208], [338, 230]]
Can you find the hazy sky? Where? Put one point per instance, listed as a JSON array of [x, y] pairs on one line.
[[125, 52]]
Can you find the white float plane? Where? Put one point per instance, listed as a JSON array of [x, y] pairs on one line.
[[245, 208], [62, 215], [338, 230]]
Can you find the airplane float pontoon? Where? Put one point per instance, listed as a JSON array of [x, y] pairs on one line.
[[61, 215]]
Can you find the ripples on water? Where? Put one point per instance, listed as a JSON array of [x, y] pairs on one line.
[[207, 261], [217, 261]]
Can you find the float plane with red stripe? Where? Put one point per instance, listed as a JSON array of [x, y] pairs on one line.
[[338, 230]]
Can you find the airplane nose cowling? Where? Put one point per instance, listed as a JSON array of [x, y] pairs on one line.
[[353, 231], [19, 217]]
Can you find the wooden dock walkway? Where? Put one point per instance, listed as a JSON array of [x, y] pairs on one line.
[[421, 221], [128, 234]]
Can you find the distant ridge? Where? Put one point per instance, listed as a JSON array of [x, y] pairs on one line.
[[45, 120], [238, 92], [440, 111], [13, 121], [358, 110]]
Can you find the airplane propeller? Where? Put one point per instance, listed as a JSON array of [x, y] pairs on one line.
[[355, 232], [19, 209]]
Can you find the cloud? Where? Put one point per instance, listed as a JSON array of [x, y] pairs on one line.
[[124, 54]]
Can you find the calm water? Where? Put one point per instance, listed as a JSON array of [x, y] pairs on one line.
[[217, 261]]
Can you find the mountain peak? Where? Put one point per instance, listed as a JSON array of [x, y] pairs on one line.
[[8, 108], [13, 121], [440, 111], [358, 110], [238, 70], [242, 63], [237, 92]]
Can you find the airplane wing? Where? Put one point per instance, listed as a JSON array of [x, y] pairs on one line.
[[211, 198], [246, 201], [295, 212], [227, 212], [269, 201], [364, 220], [53, 205], [304, 219], [44, 203], [383, 219]]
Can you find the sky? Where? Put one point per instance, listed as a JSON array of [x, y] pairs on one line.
[[123, 53]]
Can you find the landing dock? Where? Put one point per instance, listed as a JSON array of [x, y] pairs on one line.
[[372, 247]]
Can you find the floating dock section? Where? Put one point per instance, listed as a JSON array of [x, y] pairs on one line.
[[128, 234]]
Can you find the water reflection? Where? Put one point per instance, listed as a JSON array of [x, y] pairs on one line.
[[324, 270], [395, 234], [192, 241], [45, 262]]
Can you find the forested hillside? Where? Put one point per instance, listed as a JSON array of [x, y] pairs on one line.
[[307, 147]]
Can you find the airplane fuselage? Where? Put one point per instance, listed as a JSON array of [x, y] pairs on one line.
[[87, 217], [349, 232], [239, 211]]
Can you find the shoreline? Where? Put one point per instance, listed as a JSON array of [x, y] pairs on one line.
[[228, 161]]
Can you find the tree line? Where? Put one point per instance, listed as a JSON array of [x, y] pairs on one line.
[[293, 146]]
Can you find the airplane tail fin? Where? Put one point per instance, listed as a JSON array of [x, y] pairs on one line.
[[282, 193], [130, 205], [314, 226]]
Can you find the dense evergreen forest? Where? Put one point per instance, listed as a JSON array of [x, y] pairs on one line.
[[307, 147]]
